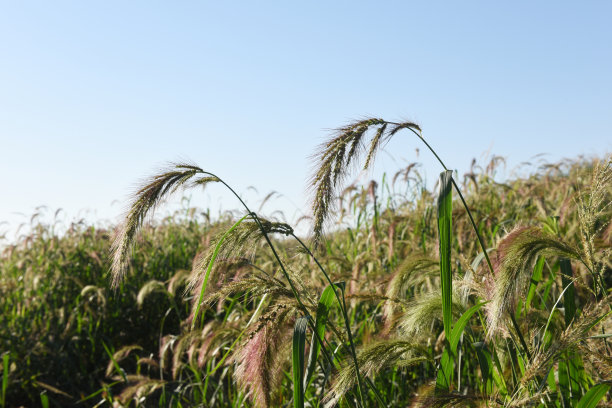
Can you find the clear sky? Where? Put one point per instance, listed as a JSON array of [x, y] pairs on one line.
[[96, 94]]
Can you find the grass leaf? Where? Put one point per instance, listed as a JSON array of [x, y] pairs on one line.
[[325, 303], [5, 376], [209, 268], [299, 341], [445, 208], [593, 396], [460, 325]]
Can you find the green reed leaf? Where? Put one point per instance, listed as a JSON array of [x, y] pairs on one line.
[[209, 268], [323, 308], [593, 396], [299, 341], [460, 326], [445, 208]]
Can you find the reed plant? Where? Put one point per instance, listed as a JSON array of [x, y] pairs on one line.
[[479, 293]]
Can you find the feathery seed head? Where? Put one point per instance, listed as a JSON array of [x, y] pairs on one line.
[[260, 358], [332, 163], [373, 358], [513, 266], [145, 200]]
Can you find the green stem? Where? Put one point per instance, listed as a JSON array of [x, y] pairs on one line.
[[282, 266], [480, 240], [342, 305]]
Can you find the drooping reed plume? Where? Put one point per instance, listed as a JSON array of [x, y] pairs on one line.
[[335, 157], [409, 274], [372, 359], [240, 242], [592, 315], [144, 202], [516, 255], [594, 206], [424, 310]]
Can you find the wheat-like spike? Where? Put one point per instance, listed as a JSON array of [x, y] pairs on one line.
[[181, 345], [593, 208], [404, 125], [533, 400], [177, 280], [152, 286], [516, 254], [444, 399], [256, 284], [213, 336], [140, 387], [374, 145], [91, 292], [143, 203], [118, 356], [372, 359]]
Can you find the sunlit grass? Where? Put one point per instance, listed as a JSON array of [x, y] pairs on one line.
[[479, 293]]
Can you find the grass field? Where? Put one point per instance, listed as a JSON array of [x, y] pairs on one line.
[[480, 293]]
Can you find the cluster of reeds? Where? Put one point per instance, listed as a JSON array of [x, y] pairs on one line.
[[479, 294]]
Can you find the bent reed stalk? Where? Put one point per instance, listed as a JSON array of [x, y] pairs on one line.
[[152, 192], [493, 365]]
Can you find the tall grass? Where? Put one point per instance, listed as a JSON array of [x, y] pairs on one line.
[[499, 297]]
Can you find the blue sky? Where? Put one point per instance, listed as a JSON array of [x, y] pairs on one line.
[[96, 95]]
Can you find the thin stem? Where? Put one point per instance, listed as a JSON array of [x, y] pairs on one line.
[[480, 240], [282, 266], [265, 234], [520, 335], [342, 305]]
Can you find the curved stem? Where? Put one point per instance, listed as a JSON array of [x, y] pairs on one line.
[[265, 234], [342, 305], [480, 240], [282, 266]]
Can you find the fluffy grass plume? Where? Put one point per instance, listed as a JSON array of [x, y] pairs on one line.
[[372, 359], [144, 202], [516, 255], [260, 359], [334, 158]]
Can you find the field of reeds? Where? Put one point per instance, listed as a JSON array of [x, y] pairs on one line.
[[476, 293]]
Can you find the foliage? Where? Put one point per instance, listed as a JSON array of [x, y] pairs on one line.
[[245, 313]]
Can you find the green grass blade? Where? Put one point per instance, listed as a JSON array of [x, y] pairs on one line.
[[447, 362], [44, 400], [460, 326], [5, 377], [485, 362], [445, 208], [299, 341], [593, 396], [569, 298], [209, 268], [323, 308], [119, 370], [536, 277], [445, 372]]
